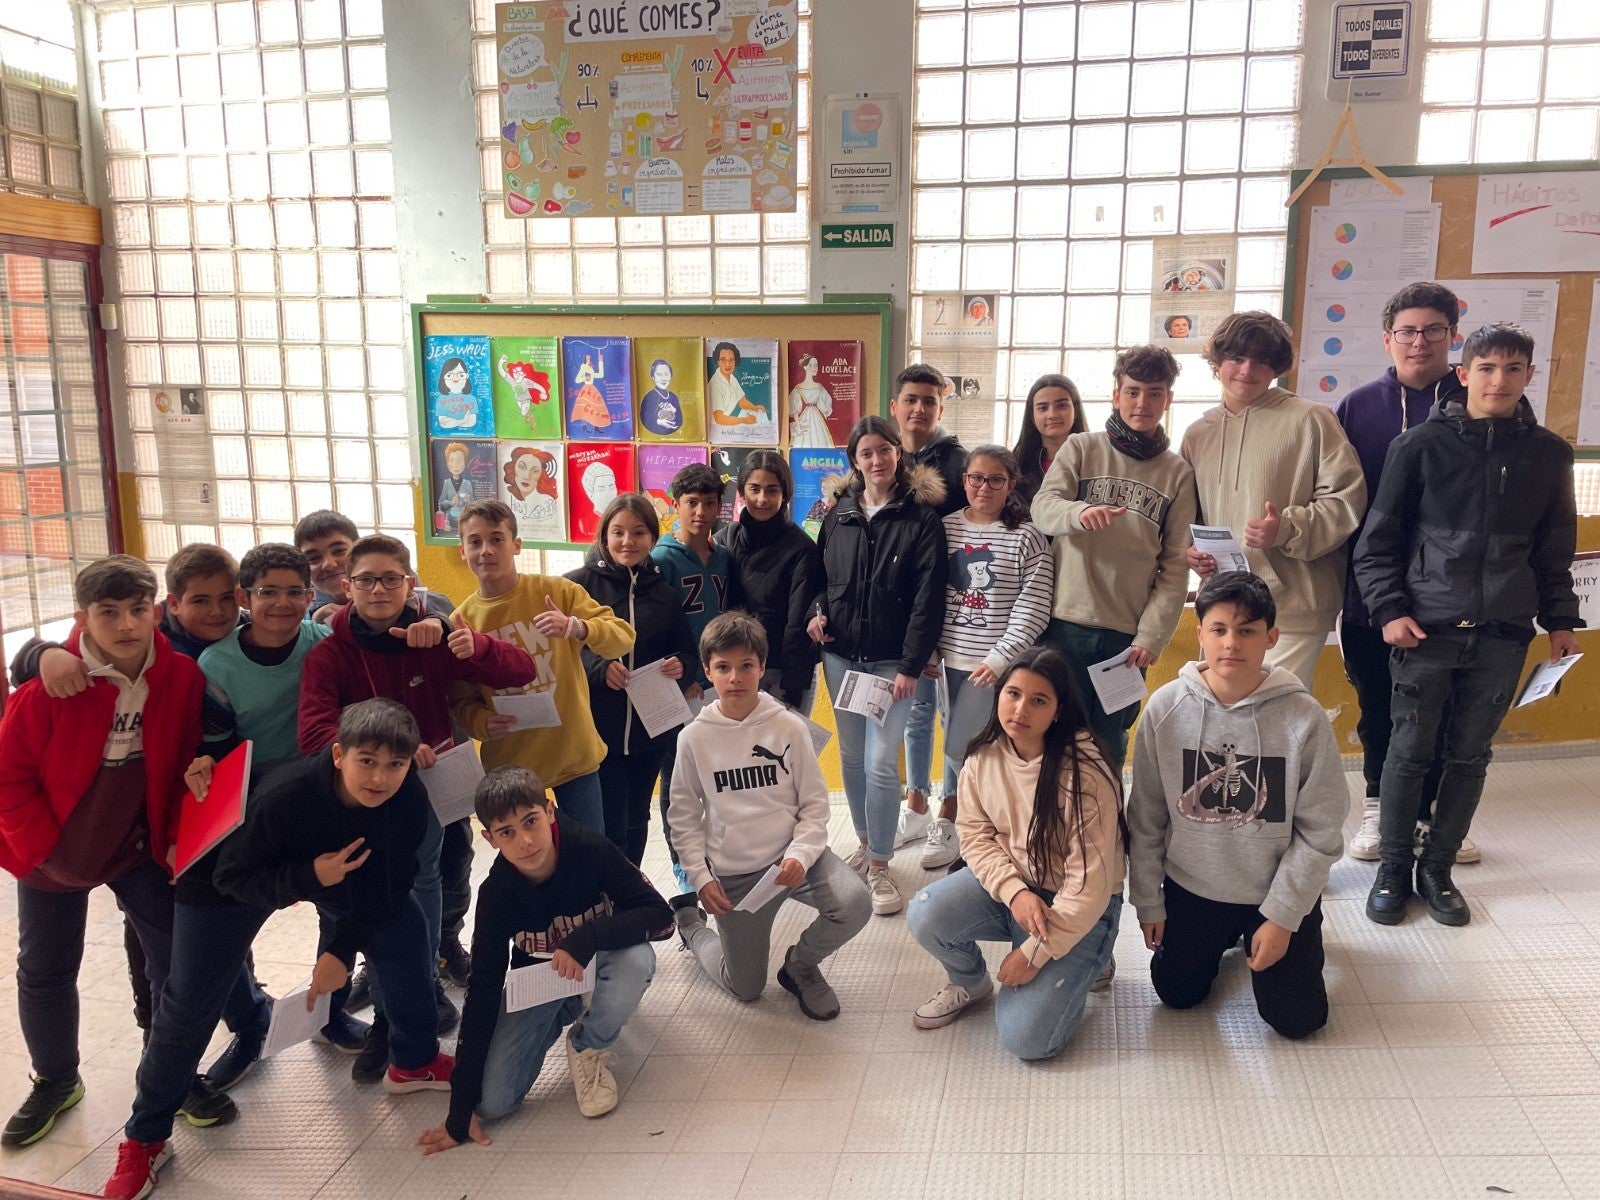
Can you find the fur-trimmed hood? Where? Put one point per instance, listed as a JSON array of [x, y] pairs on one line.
[[926, 488]]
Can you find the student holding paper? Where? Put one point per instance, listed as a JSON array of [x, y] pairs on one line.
[[558, 893], [619, 573], [748, 796], [883, 555]]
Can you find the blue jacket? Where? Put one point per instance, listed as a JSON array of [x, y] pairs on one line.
[[702, 587]]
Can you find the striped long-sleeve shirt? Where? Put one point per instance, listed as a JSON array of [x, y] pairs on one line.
[[998, 583]]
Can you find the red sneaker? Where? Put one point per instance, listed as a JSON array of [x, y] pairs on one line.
[[431, 1077], [138, 1165]]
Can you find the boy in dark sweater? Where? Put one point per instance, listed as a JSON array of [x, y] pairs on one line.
[[556, 893]]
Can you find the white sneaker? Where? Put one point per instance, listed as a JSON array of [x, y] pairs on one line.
[[591, 1079], [913, 827], [1103, 980], [1469, 852], [1365, 843], [942, 847], [948, 1003], [857, 862], [886, 898]]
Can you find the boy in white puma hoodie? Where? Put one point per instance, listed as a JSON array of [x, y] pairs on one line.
[[1236, 816], [748, 798]]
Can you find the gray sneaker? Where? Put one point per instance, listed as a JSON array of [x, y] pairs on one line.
[[806, 984], [858, 862]]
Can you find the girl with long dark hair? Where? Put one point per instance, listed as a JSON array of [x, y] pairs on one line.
[[1055, 413], [1042, 832]]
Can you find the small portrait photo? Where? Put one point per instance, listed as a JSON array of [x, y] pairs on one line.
[[193, 402], [1179, 325]]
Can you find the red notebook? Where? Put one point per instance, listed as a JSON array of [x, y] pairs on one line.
[[204, 823]]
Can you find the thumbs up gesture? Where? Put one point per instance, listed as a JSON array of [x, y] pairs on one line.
[[554, 623], [1262, 533], [1101, 516]]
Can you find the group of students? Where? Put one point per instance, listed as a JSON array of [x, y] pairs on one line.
[[932, 560]]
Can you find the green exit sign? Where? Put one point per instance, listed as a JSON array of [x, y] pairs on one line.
[[859, 235]]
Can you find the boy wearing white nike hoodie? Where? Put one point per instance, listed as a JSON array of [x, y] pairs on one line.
[[748, 798], [1236, 816]]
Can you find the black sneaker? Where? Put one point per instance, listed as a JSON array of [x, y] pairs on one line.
[[373, 1062], [449, 1018], [39, 1111], [360, 989], [204, 1106], [1445, 905], [236, 1059], [345, 1033], [1386, 902], [454, 961]]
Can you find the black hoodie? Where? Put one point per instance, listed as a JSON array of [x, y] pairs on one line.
[[949, 458], [777, 576]]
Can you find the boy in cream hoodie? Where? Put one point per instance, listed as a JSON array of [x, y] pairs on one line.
[[748, 799], [1236, 816]]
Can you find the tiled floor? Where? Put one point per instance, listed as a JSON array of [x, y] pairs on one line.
[[1458, 1063]]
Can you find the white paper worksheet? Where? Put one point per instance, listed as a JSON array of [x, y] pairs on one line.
[[866, 695], [527, 987], [1542, 679], [820, 737], [657, 699], [291, 1023], [452, 782], [1117, 683], [533, 710], [1221, 545], [765, 889]]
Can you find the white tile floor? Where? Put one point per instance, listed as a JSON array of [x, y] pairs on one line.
[[1458, 1063]]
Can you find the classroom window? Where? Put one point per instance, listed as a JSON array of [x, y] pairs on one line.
[[1052, 142], [40, 145]]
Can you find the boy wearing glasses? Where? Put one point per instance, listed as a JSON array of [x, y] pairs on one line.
[[1419, 328], [1119, 504]]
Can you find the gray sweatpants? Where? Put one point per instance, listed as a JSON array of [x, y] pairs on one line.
[[735, 954]]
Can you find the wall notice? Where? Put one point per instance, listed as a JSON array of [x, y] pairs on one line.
[[1371, 51], [1545, 221], [635, 107], [183, 450], [861, 163]]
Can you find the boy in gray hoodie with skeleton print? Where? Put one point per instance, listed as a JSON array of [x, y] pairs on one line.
[[1236, 815]]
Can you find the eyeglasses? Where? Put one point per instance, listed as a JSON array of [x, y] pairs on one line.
[[273, 594], [391, 582], [1433, 333], [994, 482]]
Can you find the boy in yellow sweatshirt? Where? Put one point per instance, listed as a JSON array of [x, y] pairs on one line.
[[553, 619]]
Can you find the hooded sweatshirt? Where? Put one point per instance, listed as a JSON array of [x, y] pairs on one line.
[[948, 457], [1372, 416], [1241, 803], [702, 586], [746, 794], [1292, 454]]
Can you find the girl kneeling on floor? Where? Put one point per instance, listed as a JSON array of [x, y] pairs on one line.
[[1041, 828]]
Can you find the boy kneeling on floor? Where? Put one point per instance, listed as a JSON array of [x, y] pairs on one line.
[[560, 893]]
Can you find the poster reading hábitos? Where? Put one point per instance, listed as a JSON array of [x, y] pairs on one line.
[[637, 107]]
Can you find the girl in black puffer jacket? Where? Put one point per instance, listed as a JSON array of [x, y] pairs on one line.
[[619, 572], [777, 576]]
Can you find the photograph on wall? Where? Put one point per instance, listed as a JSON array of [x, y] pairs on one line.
[[670, 382], [463, 471], [726, 461], [811, 467], [595, 477], [598, 386], [824, 391], [527, 374], [455, 370], [741, 391], [532, 475], [657, 466]]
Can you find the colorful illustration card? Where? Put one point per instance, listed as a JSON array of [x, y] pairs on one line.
[[824, 391], [726, 461], [463, 471], [455, 370], [597, 387], [527, 380], [533, 482], [668, 379], [657, 466], [811, 467], [596, 475], [741, 391]]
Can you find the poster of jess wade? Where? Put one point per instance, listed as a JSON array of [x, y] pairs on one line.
[[455, 370], [597, 388], [741, 391], [596, 475]]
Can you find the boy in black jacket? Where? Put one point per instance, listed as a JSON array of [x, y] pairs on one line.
[[342, 828], [1469, 538], [561, 894]]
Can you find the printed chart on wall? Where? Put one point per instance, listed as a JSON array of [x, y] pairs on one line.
[[1191, 291], [1589, 412], [959, 335], [638, 107]]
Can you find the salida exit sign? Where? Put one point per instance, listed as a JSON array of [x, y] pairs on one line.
[[859, 235]]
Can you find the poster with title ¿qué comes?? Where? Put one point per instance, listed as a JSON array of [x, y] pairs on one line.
[[648, 107]]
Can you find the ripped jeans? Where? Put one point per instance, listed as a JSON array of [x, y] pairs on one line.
[[1466, 680]]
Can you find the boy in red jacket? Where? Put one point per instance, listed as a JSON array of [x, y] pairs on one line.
[[89, 791]]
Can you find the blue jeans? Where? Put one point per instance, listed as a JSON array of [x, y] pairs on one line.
[[209, 942], [951, 915], [522, 1039], [919, 735], [582, 800], [970, 707], [869, 757], [403, 970]]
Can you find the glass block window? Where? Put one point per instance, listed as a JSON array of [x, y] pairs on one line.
[[1506, 81], [250, 198], [606, 260], [1052, 141], [40, 147]]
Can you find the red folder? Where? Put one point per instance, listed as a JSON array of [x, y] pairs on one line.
[[202, 824]]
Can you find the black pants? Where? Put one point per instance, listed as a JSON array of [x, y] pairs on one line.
[[1366, 666], [455, 873], [669, 763], [1290, 994], [626, 782]]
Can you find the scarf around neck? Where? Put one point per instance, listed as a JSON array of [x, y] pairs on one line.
[[1141, 447]]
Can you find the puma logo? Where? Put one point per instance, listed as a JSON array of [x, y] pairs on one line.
[[762, 752]]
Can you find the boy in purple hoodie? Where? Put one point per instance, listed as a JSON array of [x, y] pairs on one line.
[[1419, 329]]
